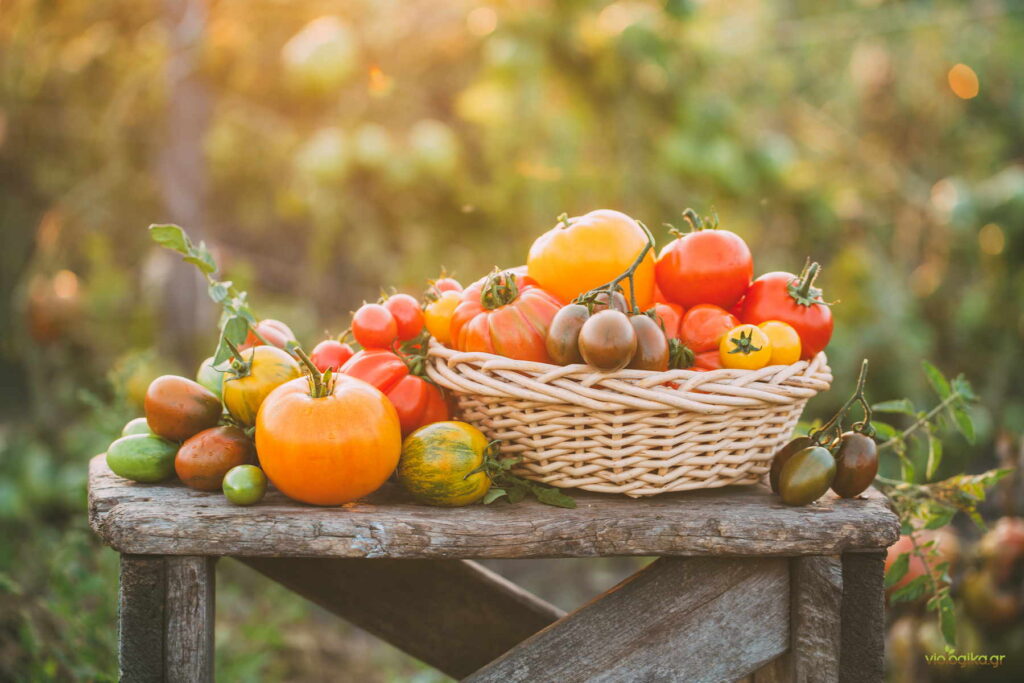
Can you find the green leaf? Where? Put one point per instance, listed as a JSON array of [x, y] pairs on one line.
[[517, 493], [897, 570], [201, 264], [883, 430], [964, 388], [219, 291], [938, 381], [947, 619], [934, 455], [494, 494], [899, 405], [963, 420], [912, 591], [552, 496], [939, 517], [171, 237], [236, 329]]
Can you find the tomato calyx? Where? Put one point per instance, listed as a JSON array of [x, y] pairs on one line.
[[500, 289], [696, 223], [321, 384], [563, 221], [802, 288], [744, 343], [680, 356]]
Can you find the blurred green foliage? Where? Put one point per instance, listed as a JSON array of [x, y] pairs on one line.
[[349, 147]]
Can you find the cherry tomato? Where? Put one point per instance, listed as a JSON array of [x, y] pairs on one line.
[[417, 401], [856, 464], [707, 360], [564, 334], [703, 327], [244, 485], [806, 476], [785, 342], [617, 302], [408, 315], [438, 316], [651, 345], [444, 284], [274, 331], [793, 300], [670, 316], [374, 327], [330, 353], [608, 340], [783, 455], [745, 347], [706, 266]]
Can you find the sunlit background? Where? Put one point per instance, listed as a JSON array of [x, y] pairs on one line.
[[327, 150]]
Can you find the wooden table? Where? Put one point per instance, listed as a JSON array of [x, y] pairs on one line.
[[744, 587]]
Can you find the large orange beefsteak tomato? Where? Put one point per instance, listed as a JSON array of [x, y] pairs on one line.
[[505, 313], [328, 450], [582, 253]]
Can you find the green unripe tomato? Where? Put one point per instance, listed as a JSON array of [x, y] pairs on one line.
[[783, 455], [136, 426], [807, 476], [245, 484], [210, 377]]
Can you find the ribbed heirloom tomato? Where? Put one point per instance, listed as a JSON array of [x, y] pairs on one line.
[[417, 401], [507, 314], [329, 449], [793, 300], [585, 252]]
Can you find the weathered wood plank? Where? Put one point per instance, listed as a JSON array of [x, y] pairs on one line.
[[862, 657], [701, 619], [453, 614], [817, 592], [189, 619], [736, 521], [141, 619]]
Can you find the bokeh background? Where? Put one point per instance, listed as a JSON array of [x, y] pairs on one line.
[[326, 150]]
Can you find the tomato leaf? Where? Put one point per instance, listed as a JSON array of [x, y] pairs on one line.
[[938, 381], [552, 496], [202, 259], [897, 570], [963, 420], [947, 619], [170, 236], [883, 430], [219, 291], [939, 517], [912, 591], [494, 494], [899, 405], [934, 455]]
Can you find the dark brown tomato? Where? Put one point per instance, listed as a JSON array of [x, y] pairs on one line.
[[608, 340], [806, 476], [651, 345], [177, 408], [204, 459], [616, 303], [784, 454], [564, 334], [856, 464]]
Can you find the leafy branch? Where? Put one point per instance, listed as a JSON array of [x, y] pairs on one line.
[[505, 484]]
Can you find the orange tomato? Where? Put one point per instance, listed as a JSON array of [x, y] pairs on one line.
[[438, 315], [785, 341], [329, 450], [582, 253], [669, 316]]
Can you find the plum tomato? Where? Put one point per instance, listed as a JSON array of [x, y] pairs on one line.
[[407, 314], [330, 354], [745, 347], [651, 345], [374, 327], [564, 334], [177, 408], [616, 302], [784, 454], [608, 340], [438, 315], [856, 464], [806, 476], [244, 485], [274, 331], [669, 316], [785, 342], [795, 301], [703, 327], [706, 266], [204, 459]]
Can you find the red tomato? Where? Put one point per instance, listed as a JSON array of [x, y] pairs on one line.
[[703, 327], [670, 316], [793, 300], [274, 331], [407, 314], [705, 267], [444, 284], [659, 296], [417, 401], [505, 313], [708, 360], [330, 353], [374, 327]]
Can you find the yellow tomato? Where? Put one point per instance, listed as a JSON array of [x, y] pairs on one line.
[[785, 342], [585, 252], [746, 347], [269, 367], [438, 315]]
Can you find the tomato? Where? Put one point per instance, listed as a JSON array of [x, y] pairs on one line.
[[244, 485], [703, 327], [793, 300], [580, 254], [785, 342], [417, 401], [210, 377], [274, 331], [745, 347], [669, 317], [806, 476], [244, 390], [564, 334], [608, 340], [177, 408], [407, 314], [659, 296], [330, 353], [328, 450], [440, 464], [706, 266], [783, 455], [438, 315], [651, 345], [204, 459], [137, 425], [615, 301], [707, 360], [507, 314], [856, 464], [145, 458], [435, 288], [374, 327]]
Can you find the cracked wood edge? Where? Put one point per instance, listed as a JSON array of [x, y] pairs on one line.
[[738, 521]]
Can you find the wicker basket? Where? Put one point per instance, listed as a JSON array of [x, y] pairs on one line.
[[635, 432]]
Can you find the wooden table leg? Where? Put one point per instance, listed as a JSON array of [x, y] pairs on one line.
[[165, 618], [862, 657]]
